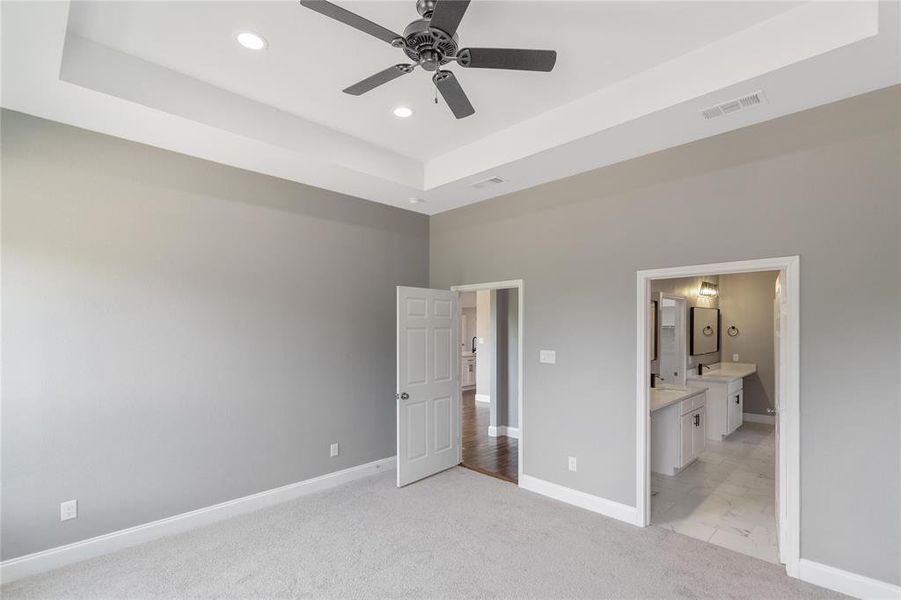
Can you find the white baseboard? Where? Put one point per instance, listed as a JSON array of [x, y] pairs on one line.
[[608, 508], [503, 430], [755, 418], [39, 562], [483, 398], [846, 582]]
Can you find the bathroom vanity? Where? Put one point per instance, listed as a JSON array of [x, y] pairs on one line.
[[678, 425], [725, 396]]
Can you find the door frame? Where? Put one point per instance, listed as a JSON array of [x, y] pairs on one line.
[[788, 452], [505, 285]]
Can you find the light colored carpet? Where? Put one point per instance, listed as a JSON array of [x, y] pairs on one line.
[[455, 535]]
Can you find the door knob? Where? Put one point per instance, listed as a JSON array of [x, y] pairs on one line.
[[402, 396]]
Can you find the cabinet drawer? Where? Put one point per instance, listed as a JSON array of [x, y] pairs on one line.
[[734, 386], [693, 403]]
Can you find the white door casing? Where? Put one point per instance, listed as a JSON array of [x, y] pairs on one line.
[[428, 382]]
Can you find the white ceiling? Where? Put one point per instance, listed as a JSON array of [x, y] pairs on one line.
[[630, 78]]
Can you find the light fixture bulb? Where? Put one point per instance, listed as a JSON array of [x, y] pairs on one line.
[[250, 40], [403, 112]]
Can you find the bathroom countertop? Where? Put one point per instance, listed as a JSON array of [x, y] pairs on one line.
[[663, 397], [724, 372]]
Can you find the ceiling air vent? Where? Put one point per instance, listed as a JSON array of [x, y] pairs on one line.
[[733, 106], [488, 182]]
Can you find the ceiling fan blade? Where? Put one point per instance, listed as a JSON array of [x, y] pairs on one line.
[[374, 81], [507, 58], [334, 11], [447, 15], [453, 94]]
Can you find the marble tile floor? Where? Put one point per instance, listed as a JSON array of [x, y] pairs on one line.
[[727, 496]]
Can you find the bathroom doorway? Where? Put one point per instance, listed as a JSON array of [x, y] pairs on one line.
[[733, 460]]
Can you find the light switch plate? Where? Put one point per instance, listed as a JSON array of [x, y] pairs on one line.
[[547, 356]]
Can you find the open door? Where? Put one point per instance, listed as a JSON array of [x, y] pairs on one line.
[[779, 333], [428, 382]]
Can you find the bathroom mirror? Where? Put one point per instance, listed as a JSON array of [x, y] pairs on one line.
[[704, 330], [652, 326]]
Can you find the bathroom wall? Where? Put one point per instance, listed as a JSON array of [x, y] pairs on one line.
[[746, 301]]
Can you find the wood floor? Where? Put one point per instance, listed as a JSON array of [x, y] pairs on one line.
[[495, 456]]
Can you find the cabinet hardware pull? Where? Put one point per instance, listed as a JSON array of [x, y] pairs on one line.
[[697, 420]]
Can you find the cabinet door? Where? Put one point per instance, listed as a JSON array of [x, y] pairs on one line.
[[734, 410], [699, 432], [686, 437]]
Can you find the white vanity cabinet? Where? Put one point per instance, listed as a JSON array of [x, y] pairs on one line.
[[678, 433], [468, 376], [725, 408]]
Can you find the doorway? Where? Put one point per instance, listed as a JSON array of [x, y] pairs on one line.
[[740, 439], [491, 403]]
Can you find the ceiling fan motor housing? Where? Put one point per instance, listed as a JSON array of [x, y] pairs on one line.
[[428, 46]]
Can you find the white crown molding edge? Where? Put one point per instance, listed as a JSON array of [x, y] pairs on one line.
[[52, 558]]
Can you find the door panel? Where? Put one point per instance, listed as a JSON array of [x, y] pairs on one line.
[[687, 428], [699, 433], [428, 382]]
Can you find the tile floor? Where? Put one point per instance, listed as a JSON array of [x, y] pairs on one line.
[[727, 496]]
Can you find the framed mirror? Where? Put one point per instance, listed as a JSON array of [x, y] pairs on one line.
[[704, 330], [652, 326]]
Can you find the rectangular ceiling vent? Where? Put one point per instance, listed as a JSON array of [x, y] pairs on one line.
[[733, 106], [488, 182]]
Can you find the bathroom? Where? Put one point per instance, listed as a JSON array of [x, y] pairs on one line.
[[713, 359]]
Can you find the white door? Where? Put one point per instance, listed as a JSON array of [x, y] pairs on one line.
[[779, 325], [428, 382]]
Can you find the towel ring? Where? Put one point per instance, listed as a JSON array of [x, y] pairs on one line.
[[732, 331], [708, 330]]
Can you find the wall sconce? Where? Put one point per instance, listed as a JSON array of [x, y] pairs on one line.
[[708, 290]]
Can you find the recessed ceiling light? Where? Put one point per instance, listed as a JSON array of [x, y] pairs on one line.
[[251, 40], [403, 112], [415, 200]]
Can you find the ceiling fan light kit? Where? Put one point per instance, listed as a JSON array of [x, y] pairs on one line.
[[432, 42]]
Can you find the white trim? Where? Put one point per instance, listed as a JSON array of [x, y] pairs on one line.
[[847, 582], [45, 560], [608, 508], [505, 285], [483, 398], [789, 412], [501, 430], [755, 418]]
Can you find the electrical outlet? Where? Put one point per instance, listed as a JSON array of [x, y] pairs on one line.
[[572, 463], [547, 356], [735, 358], [68, 510], [333, 450]]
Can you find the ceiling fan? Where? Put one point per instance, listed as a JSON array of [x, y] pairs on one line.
[[431, 42]]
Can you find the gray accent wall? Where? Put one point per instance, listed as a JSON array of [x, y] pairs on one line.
[[746, 301], [822, 184], [178, 333]]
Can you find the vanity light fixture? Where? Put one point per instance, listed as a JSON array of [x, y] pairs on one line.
[[708, 290], [250, 40]]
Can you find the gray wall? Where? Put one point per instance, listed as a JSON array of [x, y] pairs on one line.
[[823, 184], [178, 333], [746, 301], [505, 332]]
